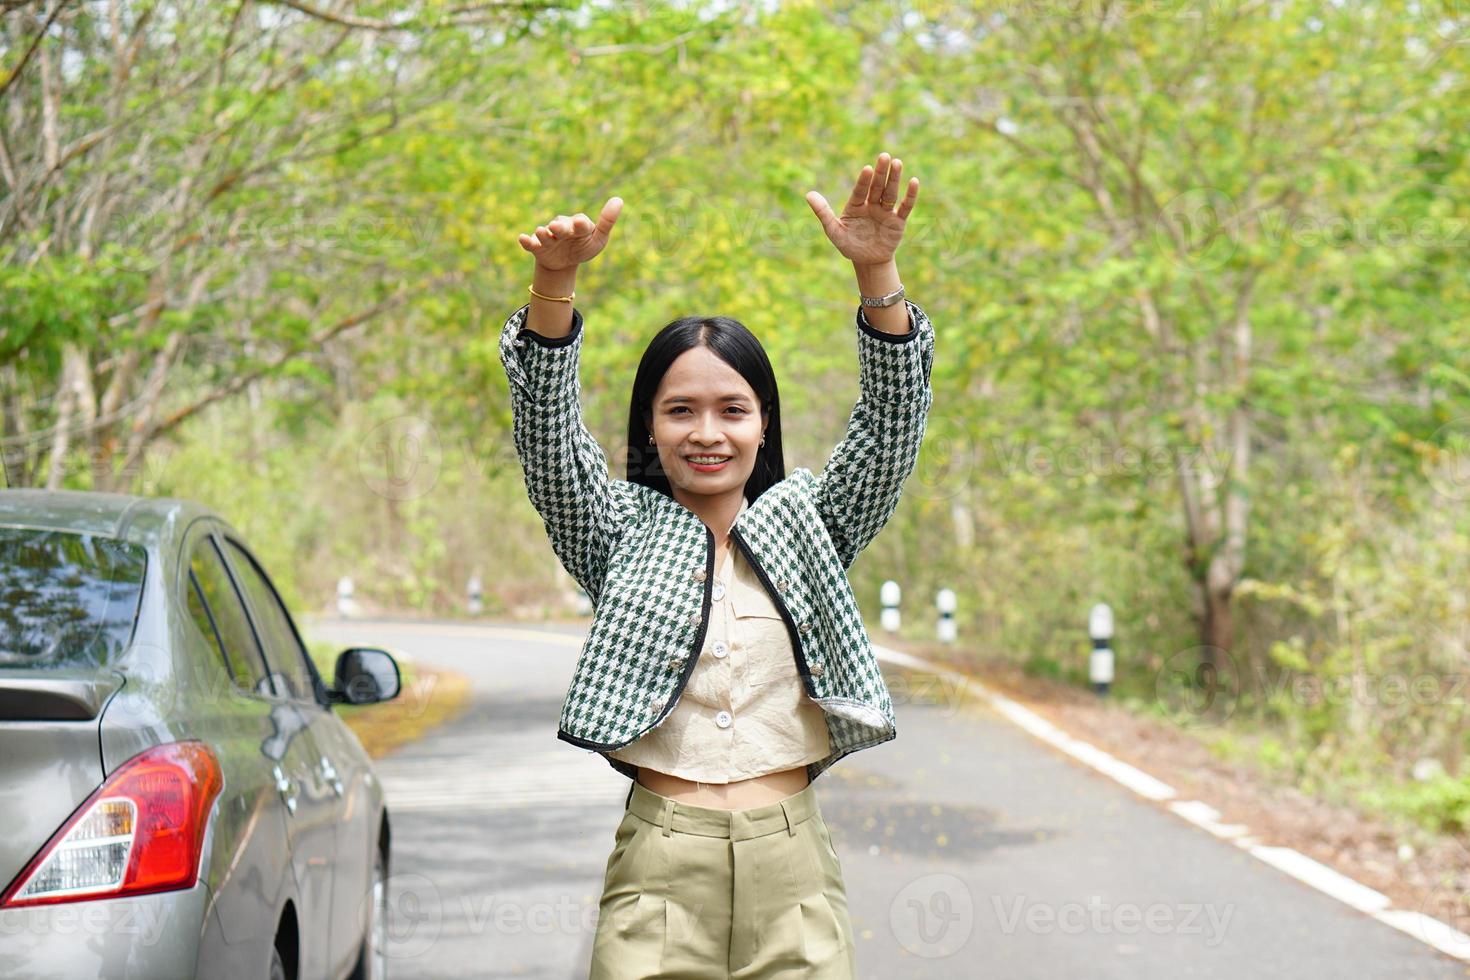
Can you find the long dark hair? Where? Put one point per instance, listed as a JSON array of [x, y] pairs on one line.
[[733, 343]]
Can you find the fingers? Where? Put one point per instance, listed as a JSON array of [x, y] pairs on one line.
[[822, 209], [909, 198], [574, 226], [885, 181], [570, 226], [891, 186], [609, 215], [535, 242], [879, 182], [878, 185], [860, 189]]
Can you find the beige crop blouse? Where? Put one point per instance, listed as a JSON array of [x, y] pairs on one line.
[[744, 712]]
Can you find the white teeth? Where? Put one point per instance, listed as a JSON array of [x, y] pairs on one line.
[[707, 459]]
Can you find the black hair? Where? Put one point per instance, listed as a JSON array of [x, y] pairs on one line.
[[732, 342]]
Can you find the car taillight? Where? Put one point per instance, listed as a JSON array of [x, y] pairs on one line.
[[141, 831]]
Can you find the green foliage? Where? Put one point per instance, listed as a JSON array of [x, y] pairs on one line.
[[1039, 665], [60, 299], [1107, 203], [1441, 804]]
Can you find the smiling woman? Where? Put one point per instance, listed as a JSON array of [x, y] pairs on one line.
[[721, 680], [705, 399], [711, 430]]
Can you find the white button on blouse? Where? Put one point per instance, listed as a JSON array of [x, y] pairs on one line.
[[746, 672]]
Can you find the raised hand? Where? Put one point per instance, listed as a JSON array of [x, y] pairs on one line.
[[568, 241], [869, 230]]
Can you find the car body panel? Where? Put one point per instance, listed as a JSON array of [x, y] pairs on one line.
[[357, 814], [142, 937], [170, 685], [48, 767]]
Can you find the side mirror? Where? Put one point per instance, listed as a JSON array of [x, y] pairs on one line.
[[365, 675]]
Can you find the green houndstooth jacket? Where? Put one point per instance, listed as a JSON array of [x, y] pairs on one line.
[[647, 561]]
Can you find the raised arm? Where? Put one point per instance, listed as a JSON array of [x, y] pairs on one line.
[[567, 481], [859, 488]]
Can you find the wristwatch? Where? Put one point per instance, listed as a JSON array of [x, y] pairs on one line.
[[888, 300]]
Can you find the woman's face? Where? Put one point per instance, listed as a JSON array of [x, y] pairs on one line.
[[703, 407]]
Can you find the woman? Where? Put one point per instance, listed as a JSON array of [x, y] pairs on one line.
[[727, 665]]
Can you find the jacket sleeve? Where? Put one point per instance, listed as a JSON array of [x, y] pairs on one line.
[[585, 512], [860, 486]]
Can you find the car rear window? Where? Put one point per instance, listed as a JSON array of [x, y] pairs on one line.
[[66, 599]]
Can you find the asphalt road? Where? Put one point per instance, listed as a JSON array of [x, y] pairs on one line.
[[969, 849]]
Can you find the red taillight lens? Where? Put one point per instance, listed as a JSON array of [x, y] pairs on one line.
[[141, 831]]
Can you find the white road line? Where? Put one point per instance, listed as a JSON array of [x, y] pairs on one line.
[[1440, 935], [1433, 932], [1206, 816], [1321, 877]]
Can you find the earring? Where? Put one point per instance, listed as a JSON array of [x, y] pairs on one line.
[[763, 440], [650, 438]]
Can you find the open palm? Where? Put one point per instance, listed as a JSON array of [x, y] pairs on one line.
[[869, 230]]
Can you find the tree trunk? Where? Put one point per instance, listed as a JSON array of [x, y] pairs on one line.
[[66, 400], [1217, 623]]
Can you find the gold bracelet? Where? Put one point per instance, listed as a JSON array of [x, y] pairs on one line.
[[557, 299]]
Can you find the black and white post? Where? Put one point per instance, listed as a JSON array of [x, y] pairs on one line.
[[345, 605], [476, 590], [889, 595], [1100, 625], [945, 602]]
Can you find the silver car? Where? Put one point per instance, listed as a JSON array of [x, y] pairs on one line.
[[177, 797]]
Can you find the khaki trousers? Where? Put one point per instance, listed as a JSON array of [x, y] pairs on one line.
[[701, 893]]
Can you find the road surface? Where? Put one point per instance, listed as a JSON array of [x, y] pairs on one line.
[[969, 849]]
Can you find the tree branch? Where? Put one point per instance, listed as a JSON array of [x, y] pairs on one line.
[[31, 49], [462, 16], [238, 383]]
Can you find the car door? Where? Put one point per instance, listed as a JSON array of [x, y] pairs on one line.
[[342, 814], [242, 724], [312, 801]]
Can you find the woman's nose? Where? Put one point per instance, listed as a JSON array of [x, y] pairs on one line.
[[708, 430]]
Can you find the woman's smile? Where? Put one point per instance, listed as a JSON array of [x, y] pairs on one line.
[[707, 463]]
